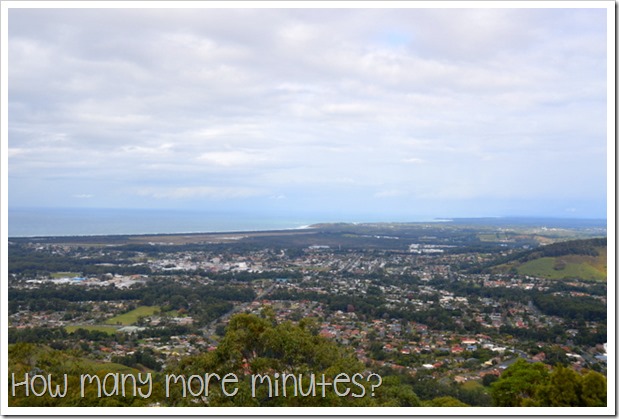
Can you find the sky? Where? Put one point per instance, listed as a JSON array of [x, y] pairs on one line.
[[390, 114]]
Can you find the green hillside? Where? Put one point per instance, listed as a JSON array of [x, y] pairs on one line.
[[563, 268], [27, 358], [576, 259]]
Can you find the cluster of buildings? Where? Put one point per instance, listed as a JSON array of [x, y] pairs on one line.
[[402, 281]]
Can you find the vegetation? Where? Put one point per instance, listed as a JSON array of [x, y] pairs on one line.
[[582, 259], [581, 267], [37, 359], [98, 328], [131, 317], [257, 345], [532, 384], [251, 345]]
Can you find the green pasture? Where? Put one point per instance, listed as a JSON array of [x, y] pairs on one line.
[[132, 316], [545, 268]]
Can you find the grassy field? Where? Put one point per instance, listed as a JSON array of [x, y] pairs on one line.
[[573, 266], [107, 329], [132, 316]]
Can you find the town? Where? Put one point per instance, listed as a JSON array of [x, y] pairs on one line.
[[418, 303]]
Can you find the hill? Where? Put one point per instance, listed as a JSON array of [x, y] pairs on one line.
[[574, 259]]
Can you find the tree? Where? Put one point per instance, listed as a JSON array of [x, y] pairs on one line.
[[593, 389], [518, 383], [393, 392], [254, 345], [562, 389], [445, 401], [489, 379], [524, 384]]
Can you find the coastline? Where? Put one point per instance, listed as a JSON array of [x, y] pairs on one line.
[[46, 223], [92, 222]]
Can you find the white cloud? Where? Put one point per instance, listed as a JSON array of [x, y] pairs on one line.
[[414, 160], [14, 152], [232, 158], [390, 193], [314, 103], [158, 149], [193, 192], [352, 108]]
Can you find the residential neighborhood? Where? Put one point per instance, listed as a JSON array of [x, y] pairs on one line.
[[409, 311]]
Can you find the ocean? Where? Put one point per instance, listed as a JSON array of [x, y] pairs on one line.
[[35, 222], [31, 222]]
